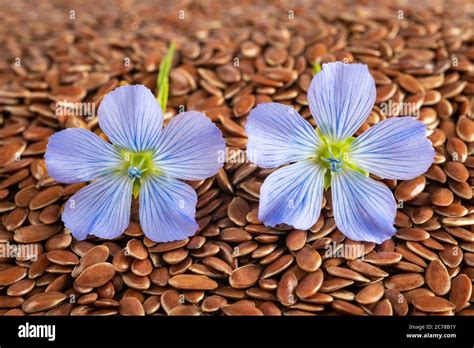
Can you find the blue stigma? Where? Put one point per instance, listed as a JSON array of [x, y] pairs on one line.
[[334, 164], [134, 172]]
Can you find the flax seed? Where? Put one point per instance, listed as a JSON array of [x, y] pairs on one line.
[[437, 278], [96, 275], [131, 306], [42, 301], [370, 293], [32, 234], [410, 189], [310, 284], [404, 282], [241, 308], [62, 257], [225, 74], [461, 291], [244, 276], [456, 171], [308, 259], [432, 304]]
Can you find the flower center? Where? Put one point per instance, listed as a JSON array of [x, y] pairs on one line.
[[335, 165], [138, 165], [134, 172], [334, 155]]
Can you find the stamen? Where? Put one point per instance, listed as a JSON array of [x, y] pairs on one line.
[[142, 162], [134, 172], [335, 165]]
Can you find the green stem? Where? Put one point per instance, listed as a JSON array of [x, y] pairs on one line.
[[316, 67], [163, 76]]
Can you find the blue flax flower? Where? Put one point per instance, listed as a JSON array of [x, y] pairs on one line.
[[145, 160], [340, 98]]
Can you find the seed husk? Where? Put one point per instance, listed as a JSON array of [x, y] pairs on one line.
[[241, 308], [404, 282], [410, 83], [50, 214], [10, 302], [346, 274], [63, 257], [366, 268], [235, 235], [452, 256], [14, 179], [398, 301], [433, 304], [12, 275], [95, 255], [278, 266], [192, 282], [35, 233], [131, 306], [213, 303], [173, 257], [237, 211], [465, 129], [136, 282], [442, 197], [310, 284], [370, 293], [170, 299], [218, 264], [308, 259], [245, 276], [185, 311], [461, 291], [286, 289], [42, 301], [296, 240], [347, 308], [383, 308], [15, 218], [334, 284], [96, 275], [21, 287], [244, 105], [224, 74], [45, 197], [456, 171], [413, 234], [437, 278], [136, 249], [409, 189], [383, 258]]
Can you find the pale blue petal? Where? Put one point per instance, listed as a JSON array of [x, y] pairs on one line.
[[167, 208], [293, 195], [131, 117], [278, 135], [396, 148], [77, 155], [191, 147], [101, 208], [364, 209], [340, 98]]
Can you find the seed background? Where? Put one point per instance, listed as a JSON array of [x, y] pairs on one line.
[[229, 58]]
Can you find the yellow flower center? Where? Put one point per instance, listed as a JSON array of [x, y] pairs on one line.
[[334, 155], [137, 166]]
